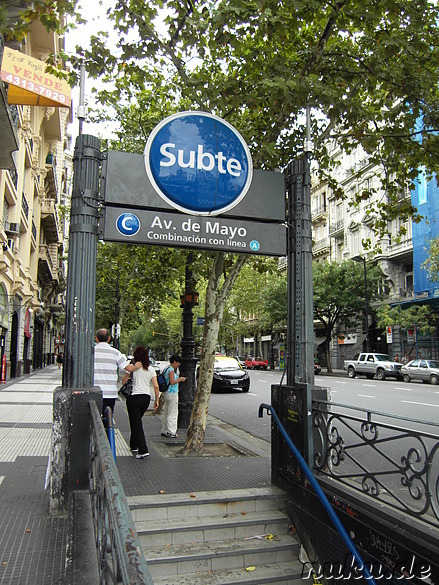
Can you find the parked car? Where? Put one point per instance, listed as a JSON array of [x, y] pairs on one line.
[[256, 363], [425, 370], [317, 369], [240, 360], [227, 373], [373, 364]]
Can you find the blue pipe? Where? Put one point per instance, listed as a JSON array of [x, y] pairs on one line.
[[110, 431], [321, 495]]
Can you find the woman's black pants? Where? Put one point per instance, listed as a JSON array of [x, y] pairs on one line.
[[137, 405]]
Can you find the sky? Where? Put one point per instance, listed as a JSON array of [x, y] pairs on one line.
[[94, 14]]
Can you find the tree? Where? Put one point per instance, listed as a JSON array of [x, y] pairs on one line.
[[222, 275], [339, 295], [420, 315], [368, 70], [134, 279]]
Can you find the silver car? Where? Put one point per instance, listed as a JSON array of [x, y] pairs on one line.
[[425, 370]]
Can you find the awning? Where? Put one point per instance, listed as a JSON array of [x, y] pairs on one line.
[[29, 84]]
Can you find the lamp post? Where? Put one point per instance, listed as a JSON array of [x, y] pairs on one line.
[[366, 311], [189, 299]]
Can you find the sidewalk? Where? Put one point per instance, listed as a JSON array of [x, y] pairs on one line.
[[33, 544]]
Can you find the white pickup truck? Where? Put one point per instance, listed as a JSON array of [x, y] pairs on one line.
[[373, 364]]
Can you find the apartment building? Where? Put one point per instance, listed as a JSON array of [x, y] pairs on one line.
[[35, 169], [339, 229]]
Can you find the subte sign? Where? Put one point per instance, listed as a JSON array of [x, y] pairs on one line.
[[194, 187], [198, 163]]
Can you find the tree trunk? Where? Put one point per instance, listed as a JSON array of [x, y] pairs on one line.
[[216, 297], [327, 352]]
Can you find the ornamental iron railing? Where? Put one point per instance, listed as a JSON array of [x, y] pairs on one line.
[[120, 557], [392, 459]]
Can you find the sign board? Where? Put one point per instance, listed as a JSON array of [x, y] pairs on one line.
[[194, 187], [389, 334], [29, 84], [125, 182], [348, 339], [198, 163], [411, 335], [186, 231]]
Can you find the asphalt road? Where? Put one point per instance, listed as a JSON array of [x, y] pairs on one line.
[[414, 400]]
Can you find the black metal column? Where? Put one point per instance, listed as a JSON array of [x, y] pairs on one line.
[[186, 391], [71, 420], [300, 342], [81, 281]]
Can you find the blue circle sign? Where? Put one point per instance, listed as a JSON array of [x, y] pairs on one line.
[[128, 224], [198, 163]]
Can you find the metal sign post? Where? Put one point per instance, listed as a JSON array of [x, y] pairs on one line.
[[70, 449], [300, 343]]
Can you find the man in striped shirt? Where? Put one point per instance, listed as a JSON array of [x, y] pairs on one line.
[[107, 362]]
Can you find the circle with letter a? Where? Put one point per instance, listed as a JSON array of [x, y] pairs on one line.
[[198, 163]]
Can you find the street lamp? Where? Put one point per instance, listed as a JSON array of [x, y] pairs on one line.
[[366, 311], [189, 299]]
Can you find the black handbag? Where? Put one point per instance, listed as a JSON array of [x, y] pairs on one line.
[[126, 389]]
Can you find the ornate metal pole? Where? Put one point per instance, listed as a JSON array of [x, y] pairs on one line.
[[187, 389]]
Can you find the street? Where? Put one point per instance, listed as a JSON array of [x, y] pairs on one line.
[[415, 400]]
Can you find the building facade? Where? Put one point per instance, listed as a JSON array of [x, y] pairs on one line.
[[339, 229], [35, 169]]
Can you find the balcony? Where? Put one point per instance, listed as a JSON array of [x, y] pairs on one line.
[[46, 265], [336, 229], [321, 247], [401, 250], [51, 182], [34, 235], [319, 214], [49, 221], [25, 207]]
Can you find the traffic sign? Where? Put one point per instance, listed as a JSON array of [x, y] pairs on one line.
[[198, 163]]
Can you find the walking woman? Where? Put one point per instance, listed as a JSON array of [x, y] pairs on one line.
[[144, 387]]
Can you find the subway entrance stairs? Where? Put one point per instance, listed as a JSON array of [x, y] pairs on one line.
[[193, 514], [230, 537]]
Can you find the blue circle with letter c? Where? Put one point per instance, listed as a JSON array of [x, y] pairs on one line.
[[128, 224], [198, 163]]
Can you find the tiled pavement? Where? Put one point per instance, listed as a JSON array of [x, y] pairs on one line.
[[32, 543]]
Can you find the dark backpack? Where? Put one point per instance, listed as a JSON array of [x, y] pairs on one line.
[[161, 380]]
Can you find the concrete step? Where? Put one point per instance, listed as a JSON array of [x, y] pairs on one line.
[[209, 538], [216, 503], [211, 528], [207, 557], [272, 573]]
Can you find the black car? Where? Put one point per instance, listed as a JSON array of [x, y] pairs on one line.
[[228, 374]]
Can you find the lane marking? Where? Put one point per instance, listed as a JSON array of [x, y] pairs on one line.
[[370, 385], [420, 403], [337, 382], [366, 396], [405, 389], [250, 394]]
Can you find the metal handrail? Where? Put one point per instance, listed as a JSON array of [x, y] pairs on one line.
[[120, 557], [320, 493]]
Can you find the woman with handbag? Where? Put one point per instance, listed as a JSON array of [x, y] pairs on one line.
[[144, 386]]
